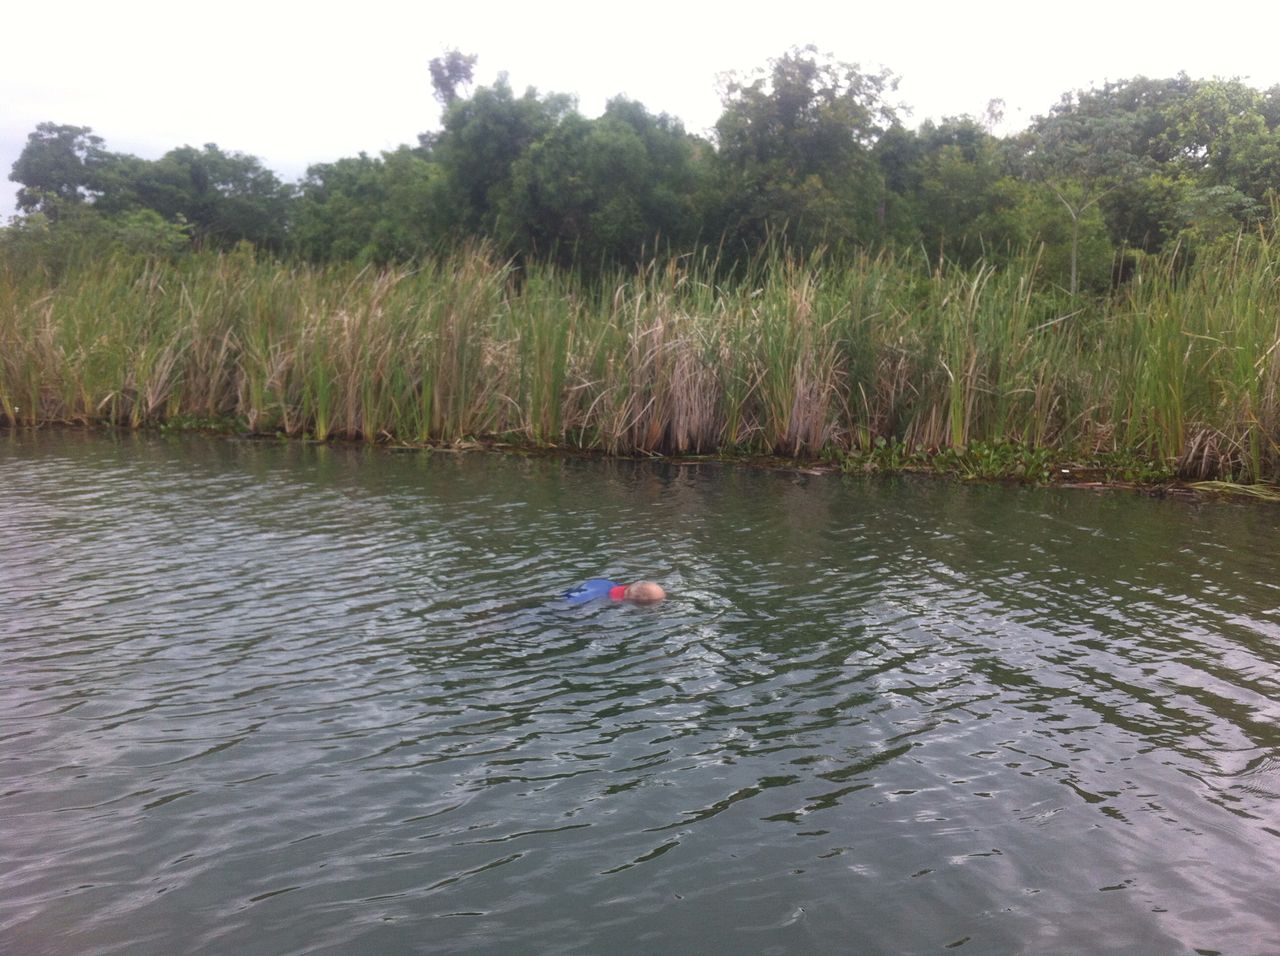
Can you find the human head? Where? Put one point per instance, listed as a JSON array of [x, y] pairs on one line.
[[644, 592]]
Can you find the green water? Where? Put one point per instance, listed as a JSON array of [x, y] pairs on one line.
[[282, 698]]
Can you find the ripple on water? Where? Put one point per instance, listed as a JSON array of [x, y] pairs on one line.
[[299, 698]]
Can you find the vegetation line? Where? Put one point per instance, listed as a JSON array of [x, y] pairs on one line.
[[876, 360]]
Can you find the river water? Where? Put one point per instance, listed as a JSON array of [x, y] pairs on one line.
[[284, 698]]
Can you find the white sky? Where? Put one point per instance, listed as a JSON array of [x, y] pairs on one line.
[[300, 83]]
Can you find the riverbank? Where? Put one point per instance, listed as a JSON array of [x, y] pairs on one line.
[[878, 362]]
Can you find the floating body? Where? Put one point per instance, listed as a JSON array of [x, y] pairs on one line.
[[641, 592]]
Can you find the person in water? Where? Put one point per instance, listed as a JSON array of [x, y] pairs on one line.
[[641, 592]]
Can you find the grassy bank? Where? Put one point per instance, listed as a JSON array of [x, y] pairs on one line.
[[878, 358]]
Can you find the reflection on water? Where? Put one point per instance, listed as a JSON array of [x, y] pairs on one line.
[[265, 698]]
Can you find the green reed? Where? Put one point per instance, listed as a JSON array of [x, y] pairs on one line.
[[787, 357], [1197, 356]]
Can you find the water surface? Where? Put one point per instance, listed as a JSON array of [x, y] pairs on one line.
[[277, 698]]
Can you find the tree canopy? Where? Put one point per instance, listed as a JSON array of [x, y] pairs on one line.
[[809, 151]]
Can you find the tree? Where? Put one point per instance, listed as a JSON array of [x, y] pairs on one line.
[[1164, 159], [966, 204], [604, 191], [794, 149], [337, 207], [1149, 211], [59, 166], [482, 139], [449, 72], [1225, 138], [1076, 249], [226, 197], [1080, 153]]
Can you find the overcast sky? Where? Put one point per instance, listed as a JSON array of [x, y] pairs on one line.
[[301, 83]]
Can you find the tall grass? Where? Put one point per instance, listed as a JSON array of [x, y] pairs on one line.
[[1201, 364], [794, 358]]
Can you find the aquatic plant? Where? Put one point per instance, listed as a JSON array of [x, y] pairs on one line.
[[882, 356]]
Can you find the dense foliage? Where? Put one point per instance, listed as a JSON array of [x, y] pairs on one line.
[[809, 153], [886, 358]]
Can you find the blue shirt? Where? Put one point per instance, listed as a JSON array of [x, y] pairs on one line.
[[593, 589]]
